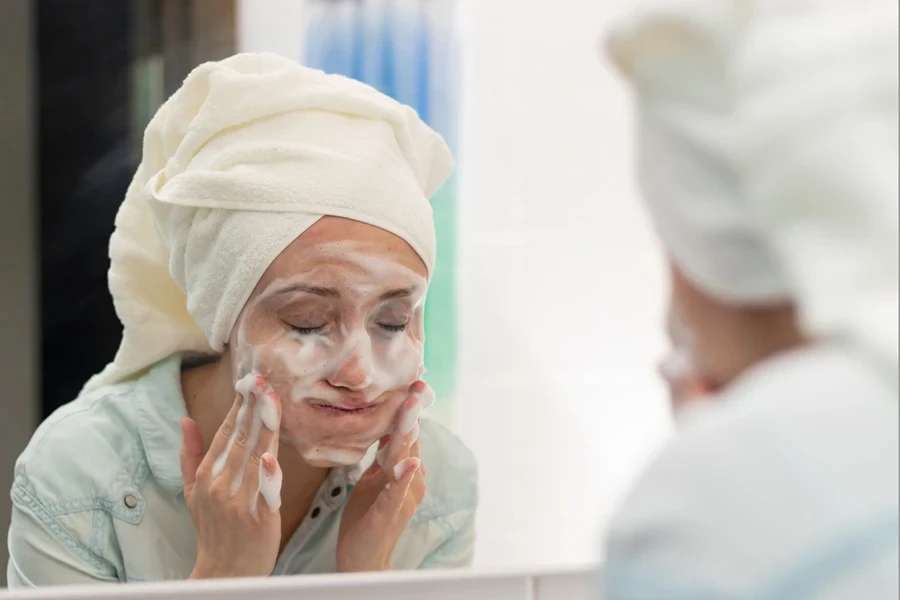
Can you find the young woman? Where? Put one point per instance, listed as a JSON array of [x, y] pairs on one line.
[[269, 265]]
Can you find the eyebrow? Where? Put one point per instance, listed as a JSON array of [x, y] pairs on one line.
[[333, 293]]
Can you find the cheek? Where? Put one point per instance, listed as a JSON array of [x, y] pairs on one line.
[[289, 364], [399, 361]]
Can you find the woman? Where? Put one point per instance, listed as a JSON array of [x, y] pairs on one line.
[[768, 161], [269, 266]]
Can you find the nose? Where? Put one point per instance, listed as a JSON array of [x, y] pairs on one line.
[[355, 373]]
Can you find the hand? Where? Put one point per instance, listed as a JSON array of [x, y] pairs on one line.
[[238, 533], [387, 495]]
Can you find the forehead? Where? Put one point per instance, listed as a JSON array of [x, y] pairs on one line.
[[334, 241]]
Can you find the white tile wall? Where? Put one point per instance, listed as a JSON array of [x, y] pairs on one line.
[[561, 283]]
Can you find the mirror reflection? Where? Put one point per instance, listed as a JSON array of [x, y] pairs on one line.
[[343, 286]]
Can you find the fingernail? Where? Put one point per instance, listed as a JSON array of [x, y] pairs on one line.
[[268, 462], [260, 382], [405, 467]]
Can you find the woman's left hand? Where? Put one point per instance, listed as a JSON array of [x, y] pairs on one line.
[[386, 496]]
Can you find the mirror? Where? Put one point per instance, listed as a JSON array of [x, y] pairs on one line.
[[542, 318]]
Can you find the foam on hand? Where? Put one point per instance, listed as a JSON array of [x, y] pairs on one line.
[[263, 413], [270, 486]]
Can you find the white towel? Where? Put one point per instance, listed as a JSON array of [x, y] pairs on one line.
[[243, 158], [768, 152]]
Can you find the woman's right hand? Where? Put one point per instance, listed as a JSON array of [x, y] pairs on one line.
[[238, 532]]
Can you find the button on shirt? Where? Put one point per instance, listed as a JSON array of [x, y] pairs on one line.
[[98, 496]]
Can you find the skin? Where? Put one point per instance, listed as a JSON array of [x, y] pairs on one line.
[[728, 339], [231, 542]]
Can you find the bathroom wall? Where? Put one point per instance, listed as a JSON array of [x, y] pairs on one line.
[[19, 406], [561, 282]]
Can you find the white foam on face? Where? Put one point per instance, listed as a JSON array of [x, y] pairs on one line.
[[317, 367]]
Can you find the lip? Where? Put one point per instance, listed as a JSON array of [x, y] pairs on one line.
[[342, 410]]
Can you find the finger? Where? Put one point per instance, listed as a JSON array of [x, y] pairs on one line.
[[263, 436], [232, 461], [418, 487], [191, 453], [414, 452], [404, 425], [391, 498], [223, 436], [424, 392], [270, 477], [417, 387]]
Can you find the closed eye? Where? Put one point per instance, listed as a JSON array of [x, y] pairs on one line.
[[309, 330]]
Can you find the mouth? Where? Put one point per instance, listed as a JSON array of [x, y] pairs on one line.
[[343, 411]]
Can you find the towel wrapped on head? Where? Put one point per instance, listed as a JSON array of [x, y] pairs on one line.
[[242, 159], [769, 152]]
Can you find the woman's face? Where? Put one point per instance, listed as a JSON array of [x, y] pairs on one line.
[[336, 326]]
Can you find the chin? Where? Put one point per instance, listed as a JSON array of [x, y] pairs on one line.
[[327, 457]]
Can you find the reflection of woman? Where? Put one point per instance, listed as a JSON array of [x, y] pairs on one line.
[[768, 159], [291, 208]]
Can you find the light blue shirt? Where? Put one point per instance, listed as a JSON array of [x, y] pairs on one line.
[[98, 496], [784, 489]]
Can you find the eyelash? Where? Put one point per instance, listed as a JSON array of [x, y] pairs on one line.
[[321, 328], [309, 330]]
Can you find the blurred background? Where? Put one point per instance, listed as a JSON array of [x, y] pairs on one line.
[[544, 320]]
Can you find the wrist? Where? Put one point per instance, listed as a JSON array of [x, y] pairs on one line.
[[203, 570]]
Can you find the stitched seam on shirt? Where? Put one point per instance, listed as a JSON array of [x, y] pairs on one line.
[[130, 479], [98, 528], [58, 509], [57, 529]]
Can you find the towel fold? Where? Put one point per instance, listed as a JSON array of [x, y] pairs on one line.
[[242, 159]]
